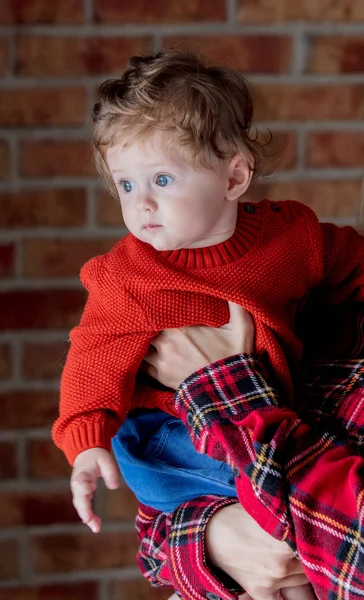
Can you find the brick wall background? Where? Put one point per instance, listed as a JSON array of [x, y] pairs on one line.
[[306, 61]]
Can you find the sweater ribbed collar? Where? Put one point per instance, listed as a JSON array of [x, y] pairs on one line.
[[246, 231]]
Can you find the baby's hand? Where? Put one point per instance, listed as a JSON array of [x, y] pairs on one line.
[[88, 467]]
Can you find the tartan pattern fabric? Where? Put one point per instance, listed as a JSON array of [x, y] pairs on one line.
[[300, 483], [225, 404], [343, 398], [172, 550]]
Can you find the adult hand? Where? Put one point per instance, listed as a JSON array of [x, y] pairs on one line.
[[264, 567], [88, 467], [299, 592], [177, 353]]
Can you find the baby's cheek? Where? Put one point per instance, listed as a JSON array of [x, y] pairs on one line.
[[129, 220]]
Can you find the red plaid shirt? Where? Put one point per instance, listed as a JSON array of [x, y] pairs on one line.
[[299, 482]]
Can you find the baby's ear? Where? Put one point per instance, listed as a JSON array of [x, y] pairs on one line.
[[239, 177]]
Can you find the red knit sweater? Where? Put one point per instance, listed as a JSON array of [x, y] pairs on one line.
[[278, 253]]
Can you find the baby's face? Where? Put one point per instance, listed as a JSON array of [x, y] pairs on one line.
[[165, 201]]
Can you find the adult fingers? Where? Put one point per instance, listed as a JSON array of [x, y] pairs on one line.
[[155, 342], [292, 567], [301, 592], [241, 323], [149, 369], [274, 589], [263, 594], [151, 356], [239, 314], [293, 581]]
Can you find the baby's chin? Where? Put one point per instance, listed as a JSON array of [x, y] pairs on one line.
[[159, 245], [163, 245]]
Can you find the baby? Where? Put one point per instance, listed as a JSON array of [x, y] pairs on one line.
[[173, 139]]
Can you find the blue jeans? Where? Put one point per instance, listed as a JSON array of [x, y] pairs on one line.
[[160, 464]]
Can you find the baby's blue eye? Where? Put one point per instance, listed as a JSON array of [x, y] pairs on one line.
[[164, 180], [127, 186]]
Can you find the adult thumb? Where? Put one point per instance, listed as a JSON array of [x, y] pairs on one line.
[[240, 316], [109, 472]]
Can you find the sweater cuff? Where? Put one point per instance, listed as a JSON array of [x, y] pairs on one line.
[[83, 436]]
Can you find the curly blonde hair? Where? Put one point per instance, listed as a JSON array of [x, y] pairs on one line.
[[208, 108]]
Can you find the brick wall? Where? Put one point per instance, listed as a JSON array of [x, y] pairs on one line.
[[306, 60]]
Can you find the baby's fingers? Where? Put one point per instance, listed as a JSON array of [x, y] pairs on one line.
[[83, 485], [94, 524]]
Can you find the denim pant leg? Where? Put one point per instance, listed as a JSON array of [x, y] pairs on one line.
[[160, 464]]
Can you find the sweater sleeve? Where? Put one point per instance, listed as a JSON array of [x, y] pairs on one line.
[[106, 350], [327, 325], [337, 256], [343, 262], [300, 484]]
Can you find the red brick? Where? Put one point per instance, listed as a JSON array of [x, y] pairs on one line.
[[61, 258], [50, 158], [70, 553], [286, 145], [43, 360], [36, 508], [280, 150], [58, 591], [8, 466], [328, 199], [46, 461], [159, 11], [44, 56], [9, 561], [250, 54], [53, 309], [337, 54], [4, 160], [335, 149], [137, 589], [5, 362], [108, 210], [7, 254], [41, 11], [43, 106], [43, 208], [301, 102], [4, 57], [121, 504], [6, 17], [24, 409], [257, 11]]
